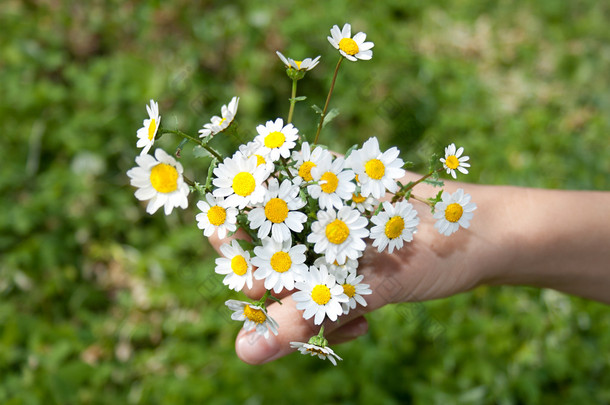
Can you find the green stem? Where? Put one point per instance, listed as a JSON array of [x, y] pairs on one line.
[[197, 141], [292, 100], [410, 186], [424, 200], [330, 92]]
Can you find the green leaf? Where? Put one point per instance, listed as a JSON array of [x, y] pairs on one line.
[[330, 116]]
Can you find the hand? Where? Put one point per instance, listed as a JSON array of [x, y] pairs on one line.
[[518, 236], [432, 266]]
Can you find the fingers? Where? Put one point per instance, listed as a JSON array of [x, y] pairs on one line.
[[255, 349], [348, 331]]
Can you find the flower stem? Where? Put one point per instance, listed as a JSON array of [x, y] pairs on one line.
[[293, 100], [424, 200], [197, 141], [330, 92], [404, 190]]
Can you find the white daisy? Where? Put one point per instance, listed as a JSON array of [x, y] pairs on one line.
[[216, 215], [363, 204], [453, 211], [454, 160], [240, 180], [279, 264], [323, 352], [276, 139], [305, 160], [159, 179], [352, 48], [334, 183], [150, 126], [218, 124], [354, 289], [339, 235], [306, 64], [319, 295], [254, 317], [340, 271], [376, 171], [254, 149], [393, 225], [236, 265], [279, 214]]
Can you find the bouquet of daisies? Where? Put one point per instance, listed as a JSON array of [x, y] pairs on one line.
[[304, 214]]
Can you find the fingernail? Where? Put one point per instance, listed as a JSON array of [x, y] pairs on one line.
[[256, 349]]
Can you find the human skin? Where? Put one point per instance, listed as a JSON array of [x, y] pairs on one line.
[[518, 236]]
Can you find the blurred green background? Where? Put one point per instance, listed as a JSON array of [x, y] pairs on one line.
[[101, 303]]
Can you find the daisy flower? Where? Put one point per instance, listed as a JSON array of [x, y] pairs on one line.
[[453, 211], [240, 180], [279, 264], [376, 171], [276, 139], [334, 184], [323, 352], [454, 160], [254, 317], [159, 179], [393, 225], [216, 215], [319, 295], [340, 271], [236, 265], [352, 48], [254, 149], [363, 204], [150, 126], [218, 124], [339, 235], [279, 214], [354, 289], [305, 65], [306, 160], [317, 346]]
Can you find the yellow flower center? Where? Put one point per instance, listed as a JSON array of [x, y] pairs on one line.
[[357, 179], [164, 178], [260, 160], [243, 184], [152, 128], [298, 63], [349, 46], [276, 210], [320, 294], [337, 232], [349, 290], [281, 262], [305, 170], [358, 198], [394, 227], [217, 215], [255, 315], [375, 169], [331, 182], [275, 139], [239, 265], [316, 351], [453, 212], [452, 162]]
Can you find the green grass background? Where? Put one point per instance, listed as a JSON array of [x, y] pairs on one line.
[[101, 303]]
